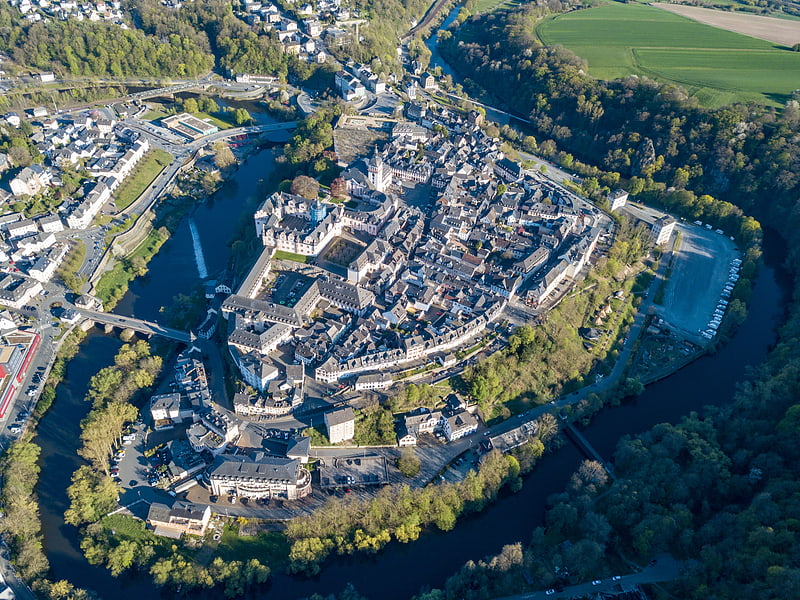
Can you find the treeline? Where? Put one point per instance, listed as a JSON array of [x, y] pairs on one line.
[[718, 491], [93, 493], [648, 136], [99, 49], [389, 20], [236, 46], [22, 526], [401, 513], [121, 542]]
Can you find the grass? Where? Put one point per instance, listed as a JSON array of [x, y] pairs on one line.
[[714, 65], [269, 547], [154, 115], [282, 255], [145, 173], [113, 284], [213, 120], [484, 6]]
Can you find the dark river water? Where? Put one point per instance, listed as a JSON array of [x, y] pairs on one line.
[[400, 570]]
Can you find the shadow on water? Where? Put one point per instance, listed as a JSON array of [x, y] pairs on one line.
[[429, 561]]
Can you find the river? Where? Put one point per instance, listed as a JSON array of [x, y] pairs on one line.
[[400, 570], [429, 561], [174, 270]]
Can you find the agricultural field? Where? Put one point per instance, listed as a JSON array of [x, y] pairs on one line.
[[716, 66], [785, 32]]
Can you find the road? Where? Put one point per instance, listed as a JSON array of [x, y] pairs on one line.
[[664, 569], [146, 327], [9, 577]]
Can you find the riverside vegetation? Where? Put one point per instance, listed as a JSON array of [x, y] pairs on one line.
[[718, 488], [121, 542]]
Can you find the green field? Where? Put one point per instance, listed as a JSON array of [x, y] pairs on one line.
[[143, 175], [716, 66]]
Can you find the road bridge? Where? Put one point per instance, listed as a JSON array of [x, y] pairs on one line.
[[166, 91], [139, 325], [584, 446]]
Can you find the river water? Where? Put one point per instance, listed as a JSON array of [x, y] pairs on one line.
[[400, 570]]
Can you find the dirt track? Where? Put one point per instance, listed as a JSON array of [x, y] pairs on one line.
[[780, 31]]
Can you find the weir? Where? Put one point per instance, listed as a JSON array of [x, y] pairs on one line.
[[199, 259]]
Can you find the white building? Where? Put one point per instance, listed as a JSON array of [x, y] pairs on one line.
[[617, 199], [340, 424], [662, 229]]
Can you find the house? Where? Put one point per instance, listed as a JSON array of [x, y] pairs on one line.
[[662, 230], [167, 409], [340, 424], [16, 291], [30, 181], [459, 424], [417, 423], [427, 81], [51, 224], [508, 169], [183, 517], [373, 381], [617, 199]]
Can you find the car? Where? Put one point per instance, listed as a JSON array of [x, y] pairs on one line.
[[550, 592], [597, 582], [15, 429], [616, 578]]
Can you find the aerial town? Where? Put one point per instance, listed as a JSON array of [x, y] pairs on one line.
[[349, 295]]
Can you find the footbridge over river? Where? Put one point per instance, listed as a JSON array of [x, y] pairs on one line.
[[146, 327], [584, 446]]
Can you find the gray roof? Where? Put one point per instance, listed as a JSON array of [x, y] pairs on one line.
[[265, 468], [339, 416]]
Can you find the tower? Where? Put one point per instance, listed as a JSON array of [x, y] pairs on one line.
[[380, 175]]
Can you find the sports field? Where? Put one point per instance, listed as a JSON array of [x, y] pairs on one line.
[[714, 65]]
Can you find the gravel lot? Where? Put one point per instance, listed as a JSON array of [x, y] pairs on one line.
[[700, 272]]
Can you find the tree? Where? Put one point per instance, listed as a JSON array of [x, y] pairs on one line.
[[305, 186], [241, 117], [339, 188], [223, 155], [408, 463], [20, 156]]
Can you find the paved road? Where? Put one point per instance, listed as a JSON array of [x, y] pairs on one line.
[[8, 576], [665, 569], [146, 327]]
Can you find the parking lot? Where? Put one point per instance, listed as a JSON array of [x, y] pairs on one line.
[[287, 288], [700, 272]]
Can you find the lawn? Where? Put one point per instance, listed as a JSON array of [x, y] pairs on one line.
[[144, 174], [715, 65], [282, 255], [270, 547], [113, 284], [484, 6]]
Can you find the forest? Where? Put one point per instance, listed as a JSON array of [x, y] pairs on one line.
[[651, 138], [99, 49], [720, 489]]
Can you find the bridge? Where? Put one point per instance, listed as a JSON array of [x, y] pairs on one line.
[[139, 325], [584, 446], [166, 91]]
